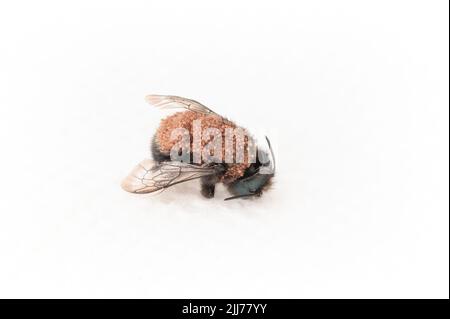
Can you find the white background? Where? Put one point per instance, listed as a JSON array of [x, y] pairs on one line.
[[354, 95]]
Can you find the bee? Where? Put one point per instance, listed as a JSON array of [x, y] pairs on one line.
[[247, 178]]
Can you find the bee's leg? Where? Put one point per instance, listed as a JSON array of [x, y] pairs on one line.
[[208, 184]]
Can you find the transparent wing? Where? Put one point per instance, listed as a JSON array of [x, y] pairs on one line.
[[149, 176], [174, 102]]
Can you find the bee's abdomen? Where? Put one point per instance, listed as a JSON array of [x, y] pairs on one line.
[[169, 124], [185, 120], [163, 141], [157, 155]]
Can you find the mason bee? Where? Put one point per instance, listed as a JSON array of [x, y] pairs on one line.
[[246, 171]]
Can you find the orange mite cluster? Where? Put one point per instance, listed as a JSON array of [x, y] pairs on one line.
[[185, 120]]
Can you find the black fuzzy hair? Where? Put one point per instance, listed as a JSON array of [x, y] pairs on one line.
[[157, 155]]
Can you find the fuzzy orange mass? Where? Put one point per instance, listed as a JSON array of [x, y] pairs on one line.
[[185, 120]]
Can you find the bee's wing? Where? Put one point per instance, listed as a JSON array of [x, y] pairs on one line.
[[149, 176], [172, 101]]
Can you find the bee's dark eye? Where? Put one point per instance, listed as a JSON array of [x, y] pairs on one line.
[[250, 186]]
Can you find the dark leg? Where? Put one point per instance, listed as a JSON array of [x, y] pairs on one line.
[[208, 186]]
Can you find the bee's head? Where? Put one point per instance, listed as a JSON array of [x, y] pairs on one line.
[[256, 178]]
